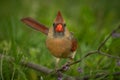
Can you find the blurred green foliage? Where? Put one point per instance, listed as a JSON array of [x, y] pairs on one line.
[[90, 20]]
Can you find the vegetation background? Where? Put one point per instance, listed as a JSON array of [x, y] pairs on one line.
[[90, 20]]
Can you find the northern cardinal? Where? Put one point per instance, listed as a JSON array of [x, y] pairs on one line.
[[60, 42]]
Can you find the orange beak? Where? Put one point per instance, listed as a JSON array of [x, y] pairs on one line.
[[59, 28]]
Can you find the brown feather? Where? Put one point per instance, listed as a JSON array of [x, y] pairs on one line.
[[74, 45]]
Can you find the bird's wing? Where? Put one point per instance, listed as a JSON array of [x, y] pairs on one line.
[[74, 43]]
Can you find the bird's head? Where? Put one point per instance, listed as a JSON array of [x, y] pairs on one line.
[[59, 25]]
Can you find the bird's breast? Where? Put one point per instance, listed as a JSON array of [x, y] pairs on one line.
[[59, 47]]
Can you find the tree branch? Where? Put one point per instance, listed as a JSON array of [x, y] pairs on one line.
[[104, 41], [36, 67]]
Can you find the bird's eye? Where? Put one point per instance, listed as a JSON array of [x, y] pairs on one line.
[[64, 25], [53, 24]]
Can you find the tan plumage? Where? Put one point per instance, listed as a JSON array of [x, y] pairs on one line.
[[60, 47]]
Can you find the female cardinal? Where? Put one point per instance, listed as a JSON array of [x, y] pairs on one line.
[[60, 41]]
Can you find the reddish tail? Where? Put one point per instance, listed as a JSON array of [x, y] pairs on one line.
[[34, 24]]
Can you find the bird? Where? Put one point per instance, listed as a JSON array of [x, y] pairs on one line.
[[60, 41]]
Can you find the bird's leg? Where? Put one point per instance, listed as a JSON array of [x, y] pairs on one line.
[[73, 54], [57, 63], [71, 58]]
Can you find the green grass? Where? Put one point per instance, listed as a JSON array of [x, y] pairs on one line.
[[91, 21]]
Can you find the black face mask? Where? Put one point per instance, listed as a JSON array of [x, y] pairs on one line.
[[58, 33]]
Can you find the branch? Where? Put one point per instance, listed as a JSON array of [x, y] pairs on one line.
[[108, 55], [88, 54], [36, 67], [104, 41], [70, 64]]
